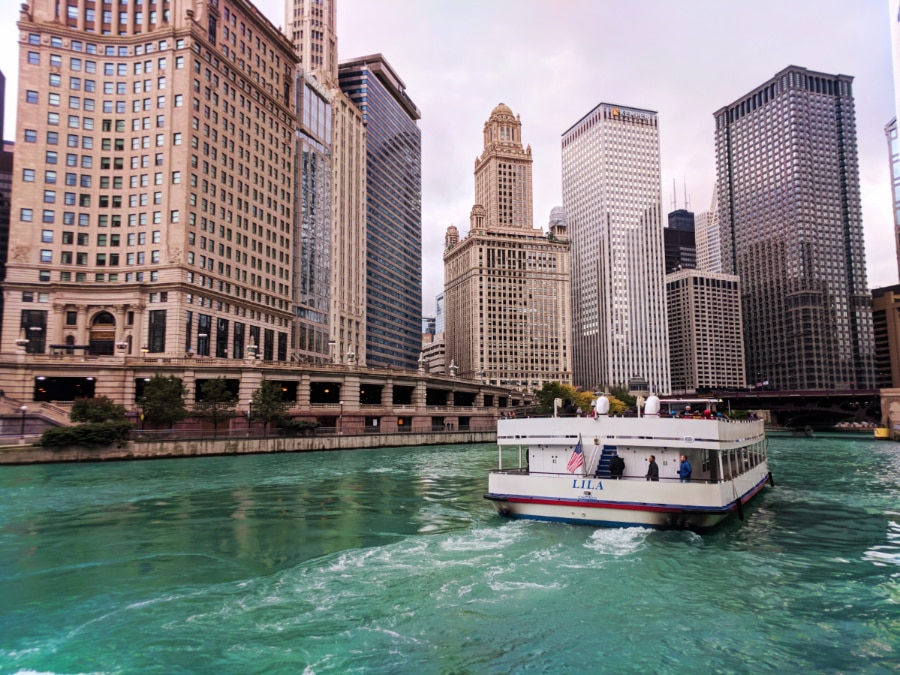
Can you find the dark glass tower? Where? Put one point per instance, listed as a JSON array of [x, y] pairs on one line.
[[679, 242], [393, 211], [791, 228]]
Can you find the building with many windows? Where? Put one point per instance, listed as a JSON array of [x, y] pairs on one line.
[[791, 229], [506, 283], [679, 242], [312, 28], [312, 261], [706, 237], [393, 271], [705, 331], [153, 193], [612, 197]]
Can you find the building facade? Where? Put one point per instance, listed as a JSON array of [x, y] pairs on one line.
[[886, 322], [612, 197], [706, 237], [311, 270], [311, 26], [705, 331], [393, 268], [679, 243], [506, 284], [152, 207], [791, 228], [312, 29], [890, 131]]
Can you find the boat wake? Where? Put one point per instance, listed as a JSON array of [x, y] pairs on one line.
[[618, 542]]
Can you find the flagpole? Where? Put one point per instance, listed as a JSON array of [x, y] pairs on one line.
[[583, 458]]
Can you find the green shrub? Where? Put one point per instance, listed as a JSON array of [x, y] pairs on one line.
[[294, 427], [96, 410], [88, 435]]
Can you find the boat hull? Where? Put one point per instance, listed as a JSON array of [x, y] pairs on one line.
[[707, 508]]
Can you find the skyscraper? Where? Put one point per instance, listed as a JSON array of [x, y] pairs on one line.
[[791, 228], [312, 29], [393, 272], [506, 284], [706, 237], [311, 26], [312, 261], [612, 197], [679, 242], [153, 192], [705, 331], [893, 143]]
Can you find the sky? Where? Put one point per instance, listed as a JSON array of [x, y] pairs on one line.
[[552, 61]]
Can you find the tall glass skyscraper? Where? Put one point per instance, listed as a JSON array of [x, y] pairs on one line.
[[393, 210], [612, 196], [311, 292], [791, 228]]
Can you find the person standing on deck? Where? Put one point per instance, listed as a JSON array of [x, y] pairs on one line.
[[616, 466], [652, 469], [685, 470]]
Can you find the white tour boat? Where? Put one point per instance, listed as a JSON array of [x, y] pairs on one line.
[[563, 471]]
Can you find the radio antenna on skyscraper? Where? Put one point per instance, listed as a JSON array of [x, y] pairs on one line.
[[687, 204], [674, 197]]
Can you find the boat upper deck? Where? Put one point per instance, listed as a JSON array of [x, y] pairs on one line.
[[650, 432]]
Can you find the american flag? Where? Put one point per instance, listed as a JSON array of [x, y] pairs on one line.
[[576, 461]]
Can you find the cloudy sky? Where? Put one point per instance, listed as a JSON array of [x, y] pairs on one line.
[[552, 61]]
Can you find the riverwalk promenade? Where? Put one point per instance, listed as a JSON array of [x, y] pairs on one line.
[[231, 445]]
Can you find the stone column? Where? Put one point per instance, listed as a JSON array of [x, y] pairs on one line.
[[138, 339], [81, 330], [56, 327]]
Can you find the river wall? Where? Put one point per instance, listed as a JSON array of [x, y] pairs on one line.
[[162, 449]]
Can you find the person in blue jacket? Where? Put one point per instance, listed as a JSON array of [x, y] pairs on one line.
[[685, 470]]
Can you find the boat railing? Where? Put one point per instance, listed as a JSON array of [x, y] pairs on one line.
[[523, 471]]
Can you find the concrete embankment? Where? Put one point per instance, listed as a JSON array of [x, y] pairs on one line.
[[208, 447]]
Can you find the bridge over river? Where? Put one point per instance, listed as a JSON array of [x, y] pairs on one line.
[[799, 408]]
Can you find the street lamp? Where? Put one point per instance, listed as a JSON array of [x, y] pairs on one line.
[[24, 410], [341, 420], [249, 414], [331, 344]]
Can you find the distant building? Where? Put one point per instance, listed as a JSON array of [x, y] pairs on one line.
[[612, 197], [393, 210], [886, 322], [890, 131], [434, 355], [705, 331], [791, 228], [428, 326], [679, 243], [311, 25], [506, 283], [439, 321], [706, 237]]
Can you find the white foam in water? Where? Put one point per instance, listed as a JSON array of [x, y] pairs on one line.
[[484, 539], [618, 541], [887, 554]]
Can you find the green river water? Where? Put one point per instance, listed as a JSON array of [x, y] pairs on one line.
[[391, 561]]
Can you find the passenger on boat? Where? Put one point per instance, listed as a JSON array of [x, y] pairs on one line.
[[685, 470], [652, 469], [616, 466]]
